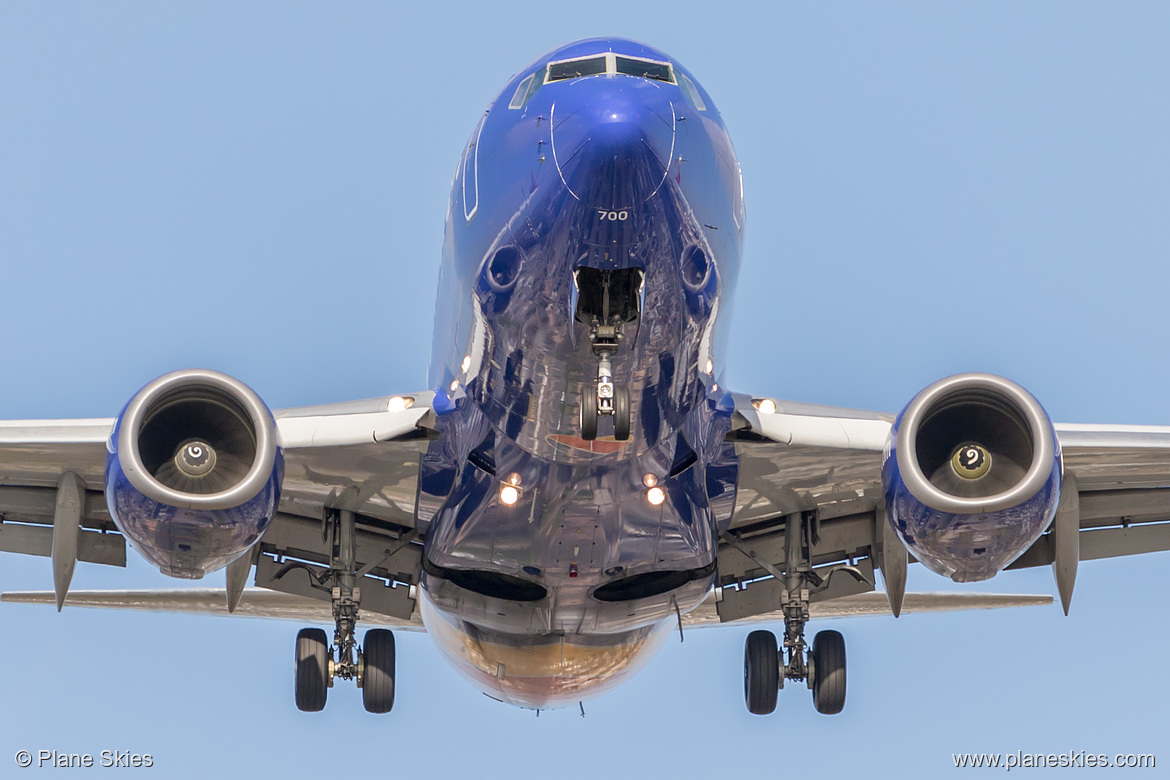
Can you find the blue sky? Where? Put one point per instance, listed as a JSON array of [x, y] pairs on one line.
[[260, 188]]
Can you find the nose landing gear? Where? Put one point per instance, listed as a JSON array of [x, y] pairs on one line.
[[606, 302], [610, 400]]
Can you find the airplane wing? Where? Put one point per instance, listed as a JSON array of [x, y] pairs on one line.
[[358, 456], [793, 458], [825, 463]]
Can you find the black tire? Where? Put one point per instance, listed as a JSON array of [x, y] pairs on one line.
[[378, 671], [761, 672], [828, 654], [312, 665], [621, 413], [589, 414]]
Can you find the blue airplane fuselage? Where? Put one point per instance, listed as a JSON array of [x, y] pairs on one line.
[[552, 569]]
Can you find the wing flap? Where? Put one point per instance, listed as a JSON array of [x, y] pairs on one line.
[[259, 603], [875, 603], [1116, 542], [255, 602], [92, 546]]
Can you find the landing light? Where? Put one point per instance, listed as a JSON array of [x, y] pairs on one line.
[[509, 495], [454, 385], [710, 367], [649, 480], [399, 404], [765, 406], [655, 495], [466, 364]]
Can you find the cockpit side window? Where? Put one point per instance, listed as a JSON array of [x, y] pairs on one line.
[[576, 68], [525, 91], [688, 87], [647, 69]]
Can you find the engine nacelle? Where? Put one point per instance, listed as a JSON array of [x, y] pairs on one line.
[[972, 474], [193, 471]]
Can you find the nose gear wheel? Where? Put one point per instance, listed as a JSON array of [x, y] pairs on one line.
[[610, 400], [621, 413], [589, 416]]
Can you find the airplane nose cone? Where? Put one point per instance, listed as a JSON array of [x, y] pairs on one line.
[[613, 140]]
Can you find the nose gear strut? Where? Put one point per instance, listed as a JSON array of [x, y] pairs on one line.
[[607, 301], [610, 399]]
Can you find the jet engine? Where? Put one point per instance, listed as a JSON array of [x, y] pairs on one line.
[[193, 471], [971, 473]]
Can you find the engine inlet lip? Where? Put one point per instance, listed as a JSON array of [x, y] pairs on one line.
[[1040, 428], [267, 443]]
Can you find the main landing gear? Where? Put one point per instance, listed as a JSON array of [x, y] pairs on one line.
[[606, 302], [764, 671], [318, 664], [766, 666]]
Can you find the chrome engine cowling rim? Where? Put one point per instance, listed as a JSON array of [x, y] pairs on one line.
[[1044, 445], [259, 416]]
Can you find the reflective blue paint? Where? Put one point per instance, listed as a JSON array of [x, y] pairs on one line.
[[605, 172], [966, 547], [187, 543]]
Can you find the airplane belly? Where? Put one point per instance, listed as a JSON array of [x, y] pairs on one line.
[[541, 671]]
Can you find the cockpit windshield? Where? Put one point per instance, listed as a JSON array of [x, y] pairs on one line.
[[608, 64], [647, 69], [573, 69]]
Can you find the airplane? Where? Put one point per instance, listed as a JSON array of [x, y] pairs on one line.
[[577, 482]]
